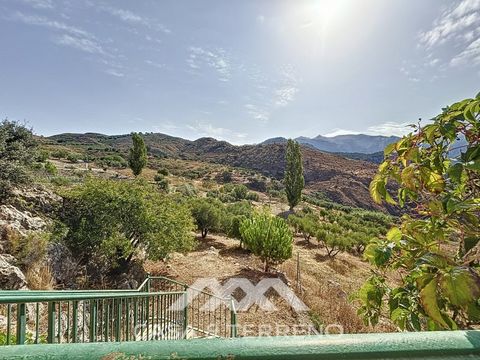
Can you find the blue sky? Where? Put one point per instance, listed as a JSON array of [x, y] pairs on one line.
[[241, 71]]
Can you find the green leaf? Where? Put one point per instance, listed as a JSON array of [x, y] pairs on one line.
[[394, 234], [459, 286], [389, 149], [428, 298], [377, 188], [377, 254], [455, 172], [408, 177], [470, 242], [473, 165]]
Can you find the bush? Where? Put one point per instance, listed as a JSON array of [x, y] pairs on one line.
[[122, 220], [50, 168], [268, 237], [163, 171], [29, 250], [73, 158], [225, 177], [187, 190], [232, 218], [17, 152], [112, 161], [257, 185]]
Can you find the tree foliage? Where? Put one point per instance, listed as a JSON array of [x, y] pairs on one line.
[[118, 219], [436, 248], [17, 153], [268, 237], [137, 158], [294, 180], [207, 214]]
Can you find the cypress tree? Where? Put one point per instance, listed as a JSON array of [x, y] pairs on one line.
[[294, 181], [138, 155]]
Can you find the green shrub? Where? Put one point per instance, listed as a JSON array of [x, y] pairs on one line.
[[17, 152], [50, 168], [268, 237], [29, 250], [120, 220], [163, 171]]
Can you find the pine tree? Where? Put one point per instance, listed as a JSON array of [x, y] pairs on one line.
[[138, 155], [294, 181]]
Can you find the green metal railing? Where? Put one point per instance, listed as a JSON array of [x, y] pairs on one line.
[[442, 345], [159, 309]]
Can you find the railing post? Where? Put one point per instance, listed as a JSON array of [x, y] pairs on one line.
[[51, 322], [21, 323], [148, 282], [185, 311], [233, 319], [93, 320], [75, 322], [118, 320]]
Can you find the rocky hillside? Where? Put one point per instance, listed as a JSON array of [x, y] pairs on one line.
[[340, 179]]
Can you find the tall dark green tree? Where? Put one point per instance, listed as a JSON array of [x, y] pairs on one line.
[[137, 158], [294, 181]]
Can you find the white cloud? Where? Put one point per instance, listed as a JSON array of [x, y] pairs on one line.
[[202, 129], [389, 129], [287, 89], [116, 73], [51, 24], [257, 113], [40, 4], [260, 19], [155, 64], [133, 18], [385, 129], [285, 95], [457, 27], [470, 55], [79, 43], [215, 59], [336, 132]]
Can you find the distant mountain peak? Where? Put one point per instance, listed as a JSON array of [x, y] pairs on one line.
[[348, 143]]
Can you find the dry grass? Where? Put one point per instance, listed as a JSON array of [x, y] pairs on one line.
[[325, 284], [40, 278]]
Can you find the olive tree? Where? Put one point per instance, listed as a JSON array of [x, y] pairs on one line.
[[207, 214]]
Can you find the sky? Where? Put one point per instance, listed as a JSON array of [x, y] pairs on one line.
[[240, 71]]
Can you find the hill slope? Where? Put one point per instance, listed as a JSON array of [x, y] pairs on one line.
[[340, 179]]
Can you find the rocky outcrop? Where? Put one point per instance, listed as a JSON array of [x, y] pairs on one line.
[[63, 265], [21, 221], [36, 199], [11, 277]]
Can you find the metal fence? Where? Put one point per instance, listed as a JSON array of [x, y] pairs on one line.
[[160, 309]]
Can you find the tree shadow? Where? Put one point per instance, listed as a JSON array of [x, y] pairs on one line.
[[207, 243], [322, 257], [306, 244], [235, 252]]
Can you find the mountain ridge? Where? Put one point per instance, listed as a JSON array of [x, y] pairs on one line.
[[350, 143], [340, 179]]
